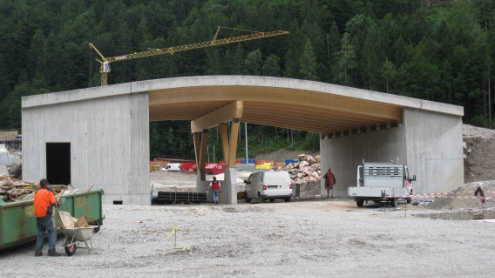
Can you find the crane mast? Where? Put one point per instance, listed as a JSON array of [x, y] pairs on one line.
[[105, 61]]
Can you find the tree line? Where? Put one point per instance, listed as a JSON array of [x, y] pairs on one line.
[[407, 47]]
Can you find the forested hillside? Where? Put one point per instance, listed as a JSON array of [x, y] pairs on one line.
[[416, 48]]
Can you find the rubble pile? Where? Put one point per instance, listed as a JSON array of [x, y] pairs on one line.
[[12, 189], [479, 153], [307, 169]]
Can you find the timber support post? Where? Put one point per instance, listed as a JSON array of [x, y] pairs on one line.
[[232, 113]]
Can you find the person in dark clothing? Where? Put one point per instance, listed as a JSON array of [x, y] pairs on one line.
[[329, 182], [44, 202], [480, 192]]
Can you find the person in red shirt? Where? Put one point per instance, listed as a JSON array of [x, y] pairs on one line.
[[215, 186], [44, 202]]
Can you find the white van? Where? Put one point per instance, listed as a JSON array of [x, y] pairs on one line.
[[172, 167], [268, 185]]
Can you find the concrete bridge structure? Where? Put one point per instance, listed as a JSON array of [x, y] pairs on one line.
[[100, 135]]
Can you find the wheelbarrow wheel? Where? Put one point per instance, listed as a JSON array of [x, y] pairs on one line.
[[70, 248]]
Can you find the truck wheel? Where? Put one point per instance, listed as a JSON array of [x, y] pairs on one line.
[[409, 200], [248, 201], [359, 203], [287, 200], [272, 200], [393, 202]]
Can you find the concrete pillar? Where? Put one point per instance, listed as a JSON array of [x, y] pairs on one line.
[[229, 187], [201, 183]]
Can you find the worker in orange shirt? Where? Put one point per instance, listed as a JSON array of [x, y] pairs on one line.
[[44, 202]]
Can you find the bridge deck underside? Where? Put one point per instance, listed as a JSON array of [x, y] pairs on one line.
[[281, 107]]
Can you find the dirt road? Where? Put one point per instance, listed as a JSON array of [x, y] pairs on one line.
[[297, 239]]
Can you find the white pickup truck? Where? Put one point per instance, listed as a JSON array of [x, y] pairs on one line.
[[381, 182]]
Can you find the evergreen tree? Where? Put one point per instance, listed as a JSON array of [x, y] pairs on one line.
[[253, 62], [271, 67], [346, 61], [308, 62], [442, 53], [389, 72]]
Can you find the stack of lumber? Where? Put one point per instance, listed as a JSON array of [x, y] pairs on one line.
[[12, 189], [307, 169]]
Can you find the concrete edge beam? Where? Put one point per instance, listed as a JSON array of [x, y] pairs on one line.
[[239, 80]]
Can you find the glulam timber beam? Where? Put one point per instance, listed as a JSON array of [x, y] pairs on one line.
[[197, 146], [224, 114], [234, 137], [224, 135], [202, 151]]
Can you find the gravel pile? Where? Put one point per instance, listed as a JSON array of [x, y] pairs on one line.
[[469, 131]]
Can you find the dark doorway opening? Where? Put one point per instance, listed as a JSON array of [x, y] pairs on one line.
[[58, 163]]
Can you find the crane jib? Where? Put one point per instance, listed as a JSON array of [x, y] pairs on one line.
[[171, 50]]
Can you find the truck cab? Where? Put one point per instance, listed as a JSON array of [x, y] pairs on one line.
[[381, 182]]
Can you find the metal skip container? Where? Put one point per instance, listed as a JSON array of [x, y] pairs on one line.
[[18, 222]]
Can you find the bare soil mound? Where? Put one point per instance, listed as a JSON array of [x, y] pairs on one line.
[[464, 197], [479, 151]]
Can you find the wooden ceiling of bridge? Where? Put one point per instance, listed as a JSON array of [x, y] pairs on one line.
[[281, 107]]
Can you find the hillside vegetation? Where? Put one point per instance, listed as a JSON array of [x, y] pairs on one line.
[[437, 52]]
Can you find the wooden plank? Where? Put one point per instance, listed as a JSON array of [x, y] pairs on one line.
[[275, 117], [224, 135], [234, 137], [307, 111], [218, 116], [66, 219]]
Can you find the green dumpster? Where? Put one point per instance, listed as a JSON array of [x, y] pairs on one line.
[[18, 223]]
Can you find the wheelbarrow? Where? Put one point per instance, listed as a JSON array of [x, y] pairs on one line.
[[75, 236]]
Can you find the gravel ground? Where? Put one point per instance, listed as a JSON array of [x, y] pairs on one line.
[[297, 239]]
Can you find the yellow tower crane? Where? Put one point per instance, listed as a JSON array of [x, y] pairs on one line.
[[105, 61]]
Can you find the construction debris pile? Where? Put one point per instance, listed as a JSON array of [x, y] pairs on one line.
[[12, 189], [307, 169]]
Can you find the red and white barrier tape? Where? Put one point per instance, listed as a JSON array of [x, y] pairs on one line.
[[439, 197], [450, 193]]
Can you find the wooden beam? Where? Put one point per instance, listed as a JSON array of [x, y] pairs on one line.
[[234, 137], [203, 149], [216, 117], [356, 106], [224, 135], [197, 146]]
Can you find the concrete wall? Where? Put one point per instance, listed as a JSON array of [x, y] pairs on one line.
[[430, 143], [109, 144], [343, 154], [434, 150]]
